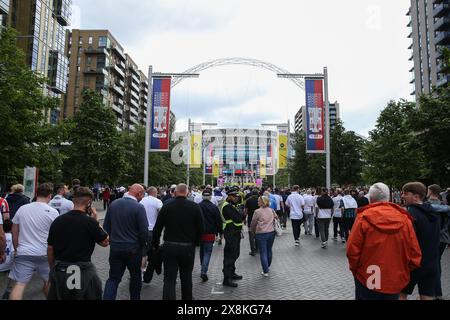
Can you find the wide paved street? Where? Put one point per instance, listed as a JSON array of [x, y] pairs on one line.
[[307, 272]]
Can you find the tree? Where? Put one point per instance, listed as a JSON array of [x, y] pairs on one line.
[[307, 170], [22, 109], [346, 156], [391, 154], [95, 153]]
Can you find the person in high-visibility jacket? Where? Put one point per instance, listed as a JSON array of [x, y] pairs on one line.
[[232, 229]]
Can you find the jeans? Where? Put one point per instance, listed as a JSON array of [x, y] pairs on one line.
[[105, 204], [442, 247], [119, 260], [265, 243], [324, 227], [296, 228], [362, 293], [178, 257], [309, 223], [337, 222], [206, 249]]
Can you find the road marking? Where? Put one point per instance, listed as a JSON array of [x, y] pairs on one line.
[[213, 291]]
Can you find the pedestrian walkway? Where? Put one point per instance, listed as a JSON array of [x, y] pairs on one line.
[[307, 272]]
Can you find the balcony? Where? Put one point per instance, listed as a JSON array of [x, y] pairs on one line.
[[442, 24], [441, 9], [92, 71], [117, 90], [411, 58], [62, 11], [119, 52], [93, 51], [413, 80], [4, 6], [410, 35], [135, 112], [134, 103], [134, 71], [409, 12], [118, 71], [134, 120], [442, 38], [443, 81], [133, 93], [135, 78], [117, 109]]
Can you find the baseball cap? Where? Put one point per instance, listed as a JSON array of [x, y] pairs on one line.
[[233, 191]]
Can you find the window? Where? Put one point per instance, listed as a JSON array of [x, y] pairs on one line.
[[102, 42], [80, 40], [89, 61], [90, 40]]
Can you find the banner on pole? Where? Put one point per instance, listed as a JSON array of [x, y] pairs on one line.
[[30, 181], [262, 168], [160, 116], [216, 168], [283, 132], [315, 133], [196, 145]]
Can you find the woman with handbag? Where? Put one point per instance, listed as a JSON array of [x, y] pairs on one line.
[[263, 226]]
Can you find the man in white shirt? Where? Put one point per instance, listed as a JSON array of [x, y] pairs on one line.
[[296, 204], [152, 207], [308, 212], [61, 204], [337, 216], [31, 225]]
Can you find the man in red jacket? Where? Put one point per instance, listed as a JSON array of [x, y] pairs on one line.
[[382, 249]]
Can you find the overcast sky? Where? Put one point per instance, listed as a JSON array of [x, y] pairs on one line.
[[363, 43]]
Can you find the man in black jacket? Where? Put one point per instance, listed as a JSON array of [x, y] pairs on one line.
[[233, 221], [427, 229], [182, 222], [16, 199], [212, 226]]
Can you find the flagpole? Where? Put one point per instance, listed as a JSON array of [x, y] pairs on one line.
[[147, 126]]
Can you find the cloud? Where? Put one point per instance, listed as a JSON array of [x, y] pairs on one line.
[[363, 44], [133, 21]]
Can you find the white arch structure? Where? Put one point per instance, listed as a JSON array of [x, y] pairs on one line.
[[237, 61]]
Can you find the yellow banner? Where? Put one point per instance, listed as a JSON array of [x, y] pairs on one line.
[[196, 146], [282, 148], [216, 168], [262, 168]]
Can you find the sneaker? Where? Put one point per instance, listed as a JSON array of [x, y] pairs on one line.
[[252, 254], [265, 274], [204, 277], [335, 239], [297, 243], [343, 240], [324, 245]]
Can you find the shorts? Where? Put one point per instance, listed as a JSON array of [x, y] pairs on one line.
[[25, 266], [425, 279]]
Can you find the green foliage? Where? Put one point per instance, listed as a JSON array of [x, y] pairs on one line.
[[346, 156], [392, 156], [94, 152], [22, 109], [307, 169]]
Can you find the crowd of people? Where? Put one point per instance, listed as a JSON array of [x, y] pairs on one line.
[[397, 243]]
